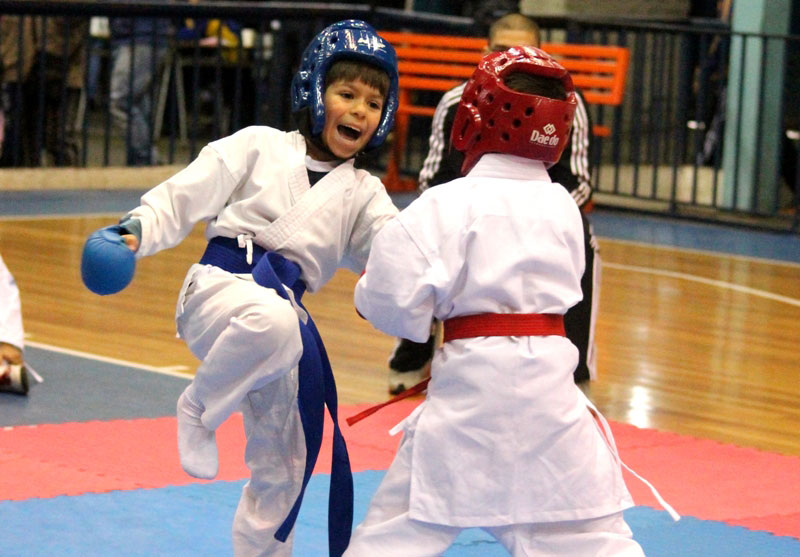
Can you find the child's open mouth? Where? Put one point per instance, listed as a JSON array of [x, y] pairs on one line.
[[348, 132]]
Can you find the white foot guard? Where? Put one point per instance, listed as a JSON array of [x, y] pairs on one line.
[[197, 445]]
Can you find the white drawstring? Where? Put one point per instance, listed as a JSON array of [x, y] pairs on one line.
[[246, 241], [411, 418], [35, 375], [608, 437]]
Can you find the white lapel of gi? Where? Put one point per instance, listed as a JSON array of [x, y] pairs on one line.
[[308, 201]]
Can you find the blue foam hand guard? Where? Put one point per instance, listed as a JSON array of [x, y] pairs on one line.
[[107, 264]]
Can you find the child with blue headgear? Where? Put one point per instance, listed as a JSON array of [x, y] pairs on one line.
[[284, 210]]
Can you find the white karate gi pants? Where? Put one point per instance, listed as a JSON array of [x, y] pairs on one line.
[[249, 340]]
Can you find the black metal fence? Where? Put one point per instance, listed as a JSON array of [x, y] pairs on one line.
[[680, 134], [212, 68]]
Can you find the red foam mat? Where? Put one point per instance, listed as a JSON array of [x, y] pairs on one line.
[[715, 481], [700, 478], [75, 458], [92, 457]]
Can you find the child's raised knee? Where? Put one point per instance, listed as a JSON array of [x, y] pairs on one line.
[[271, 324]]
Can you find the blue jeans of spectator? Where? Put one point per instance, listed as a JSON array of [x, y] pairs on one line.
[[135, 69]]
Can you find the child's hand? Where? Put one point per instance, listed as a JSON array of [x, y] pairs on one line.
[[131, 241], [10, 354]]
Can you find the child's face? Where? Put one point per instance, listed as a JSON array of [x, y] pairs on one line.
[[352, 114]]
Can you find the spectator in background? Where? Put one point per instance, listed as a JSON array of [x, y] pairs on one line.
[[791, 112], [215, 85], [42, 63], [2, 121], [3, 107], [213, 32], [138, 53], [711, 82]]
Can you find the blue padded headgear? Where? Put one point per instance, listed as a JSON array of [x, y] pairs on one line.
[[350, 39]]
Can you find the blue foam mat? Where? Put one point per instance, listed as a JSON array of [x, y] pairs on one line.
[[78, 389], [659, 230], [71, 202], [195, 520]]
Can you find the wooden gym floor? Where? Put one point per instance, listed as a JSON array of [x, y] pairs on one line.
[[690, 341]]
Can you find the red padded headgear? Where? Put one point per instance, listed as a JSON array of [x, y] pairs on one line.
[[492, 118]]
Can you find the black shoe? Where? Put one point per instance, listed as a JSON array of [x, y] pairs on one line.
[[410, 363]]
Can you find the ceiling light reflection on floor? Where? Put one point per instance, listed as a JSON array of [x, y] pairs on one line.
[[640, 408]]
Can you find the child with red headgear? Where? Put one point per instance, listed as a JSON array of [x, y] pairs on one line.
[[505, 440]]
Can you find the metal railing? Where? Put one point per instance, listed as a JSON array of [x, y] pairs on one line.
[[666, 151], [673, 139]]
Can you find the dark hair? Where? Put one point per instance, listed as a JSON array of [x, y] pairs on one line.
[[352, 70], [536, 85]]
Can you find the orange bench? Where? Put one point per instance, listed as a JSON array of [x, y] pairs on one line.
[[598, 71], [439, 63]]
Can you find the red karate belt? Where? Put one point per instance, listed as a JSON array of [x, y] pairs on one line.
[[482, 325], [504, 325]]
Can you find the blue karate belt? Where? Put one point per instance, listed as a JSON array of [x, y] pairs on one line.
[[316, 390]]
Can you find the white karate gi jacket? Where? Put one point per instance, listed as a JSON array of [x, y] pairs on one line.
[[11, 331], [253, 185], [504, 436], [244, 183]]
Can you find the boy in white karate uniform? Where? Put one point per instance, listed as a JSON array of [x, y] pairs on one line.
[[272, 236], [505, 440]]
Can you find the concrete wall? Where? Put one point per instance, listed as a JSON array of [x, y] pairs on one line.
[[663, 9]]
